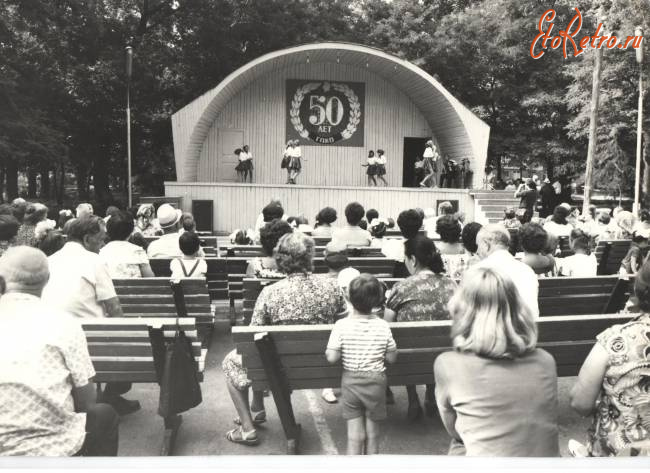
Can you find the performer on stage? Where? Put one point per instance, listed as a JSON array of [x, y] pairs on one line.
[[286, 160], [381, 166], [431, 158], [240, 166], [246, 162], [295, 166], [371, 164]]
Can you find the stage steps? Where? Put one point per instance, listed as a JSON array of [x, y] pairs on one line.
[[489, 205]]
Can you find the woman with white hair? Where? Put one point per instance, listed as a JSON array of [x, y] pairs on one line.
[[497, 392]]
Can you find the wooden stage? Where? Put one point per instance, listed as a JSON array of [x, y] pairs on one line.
[[238, 205]]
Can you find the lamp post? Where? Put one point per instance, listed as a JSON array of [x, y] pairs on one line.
[[639, 128], [129, 68]]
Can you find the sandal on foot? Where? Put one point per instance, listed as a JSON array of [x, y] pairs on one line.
[[245, 438], [259, 417]]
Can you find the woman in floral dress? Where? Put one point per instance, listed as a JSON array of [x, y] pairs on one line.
[[422, 296], [299, 299], [614, 384]]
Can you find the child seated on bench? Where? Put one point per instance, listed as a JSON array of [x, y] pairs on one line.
[[364, 343], [190, 265], [582, 264], [637, 253]]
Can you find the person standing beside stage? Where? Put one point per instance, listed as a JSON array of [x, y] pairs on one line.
[[371, 164], [295, 165], [430, 165], [246, 163], [381, 166]]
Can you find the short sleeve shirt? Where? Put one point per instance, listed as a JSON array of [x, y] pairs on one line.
[[177, 264], [423, 296], [123, 259], [299, 299], [352, 236], [363, 342], [79, 282], [37, 375]]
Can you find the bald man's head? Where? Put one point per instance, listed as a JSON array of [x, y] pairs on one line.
[[24, 269], [491, 238]]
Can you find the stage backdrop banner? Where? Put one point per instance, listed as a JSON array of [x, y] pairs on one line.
[[325, 112]]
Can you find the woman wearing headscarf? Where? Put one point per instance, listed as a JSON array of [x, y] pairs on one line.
[[146, 222]]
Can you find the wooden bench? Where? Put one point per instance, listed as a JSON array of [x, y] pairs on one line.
[[288, 358], [557, 296], [256, 251], [610, 255], [158, 297], [121, 352]]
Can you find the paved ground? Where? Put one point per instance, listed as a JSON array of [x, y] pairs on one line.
[[323, 429]]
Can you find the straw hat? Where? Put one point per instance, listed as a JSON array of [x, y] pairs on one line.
[[168, 216]]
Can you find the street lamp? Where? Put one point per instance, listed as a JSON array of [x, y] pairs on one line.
[[639, 127], [129, 68]]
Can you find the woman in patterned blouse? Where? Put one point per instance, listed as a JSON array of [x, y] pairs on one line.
[[300, 298], [614, 384], [265, 266], [26, 233], [422, 296]]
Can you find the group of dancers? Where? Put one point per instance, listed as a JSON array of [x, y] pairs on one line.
[[376, 167], [244, 167]]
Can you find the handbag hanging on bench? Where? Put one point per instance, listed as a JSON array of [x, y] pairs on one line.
[[177, 372]]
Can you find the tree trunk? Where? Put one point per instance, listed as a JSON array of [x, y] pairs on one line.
[[12, 179], [100, 179], [45, 182], [2, 184], [82, 183], [498, 166], [550, 168], [31, 182], [61, 187]]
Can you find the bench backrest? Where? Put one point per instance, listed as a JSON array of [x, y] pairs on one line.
[[256, 251], [557, 296], [301, 349], [610, 254], [121, 351]]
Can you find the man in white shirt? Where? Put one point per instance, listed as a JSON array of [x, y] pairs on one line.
[[493, 241], [352, 234], [167, 245], [80, 284], [47, 393]]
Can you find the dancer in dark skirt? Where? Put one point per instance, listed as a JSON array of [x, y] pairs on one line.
[[371, 172], [381, 166], [246, 161], [295, 166], [240, 166]]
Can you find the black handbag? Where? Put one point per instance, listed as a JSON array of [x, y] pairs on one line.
[[285, 162], [177, 373]]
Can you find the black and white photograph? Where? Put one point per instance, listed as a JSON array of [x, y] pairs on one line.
[[325, 228]]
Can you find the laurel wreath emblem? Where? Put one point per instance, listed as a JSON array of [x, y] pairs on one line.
[[355, 108]]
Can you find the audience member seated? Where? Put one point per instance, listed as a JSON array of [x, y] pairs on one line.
[[453, 254], [497, 392], [110, 211], [123, 259], [429, 223], [377, 231], [583, 263], [9, 226], [559, 225], [271, 213], [613, 383], [336, 259], [422, 296], [266, 266], [81, 285], [84, 209], [409, 223], [52, 242], [190, 265], [636, 255], [64, 216], [534, 241], [48, 396], [643, 224], [445, 208], [603, 229], [19, 206], [242, 237], [324, 220], [145, 221], [468, 237], [27, 232], [351, 234], [187, 223], [493, 241], [625, 223], [138, 239], [371, 214], [510, 220], [300, 298], [301, 224], [167, 245]]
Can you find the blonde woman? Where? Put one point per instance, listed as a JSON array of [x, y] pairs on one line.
[[497, 392]]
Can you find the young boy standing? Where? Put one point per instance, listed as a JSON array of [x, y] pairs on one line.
[[364, 343]]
